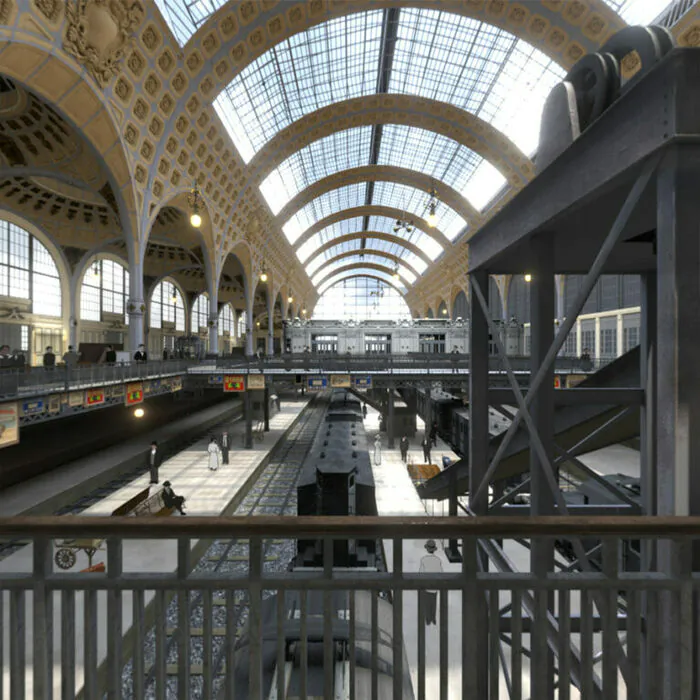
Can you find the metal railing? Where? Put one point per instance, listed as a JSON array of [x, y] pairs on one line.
[[38, 381], [608, 632], [431, 363]]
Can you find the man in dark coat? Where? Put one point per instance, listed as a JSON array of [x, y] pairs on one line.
[[426, 449], [110, 355], [171, 499], [433, 433], [403, 446], [153, 461], [225, 443], [141, 355], [49, 359]]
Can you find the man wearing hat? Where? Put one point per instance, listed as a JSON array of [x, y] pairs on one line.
[[430, 564], [171, 499]]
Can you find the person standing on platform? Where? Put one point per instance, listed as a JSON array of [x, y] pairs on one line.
[[70, 358], [364, 410], [214, 455], [141, 355], [110, 355], [378, 450], [430, 564], [426, 449], [153, 461], [403, 446], [171, 499], [224, 446], [433, 433], [49, 359]]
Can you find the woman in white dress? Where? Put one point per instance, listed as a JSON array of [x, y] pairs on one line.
[[214, 455], [378, 449]]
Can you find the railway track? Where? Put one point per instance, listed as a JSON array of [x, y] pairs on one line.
[[212, 616]]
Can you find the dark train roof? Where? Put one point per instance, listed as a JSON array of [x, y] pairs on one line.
[[340, 446]]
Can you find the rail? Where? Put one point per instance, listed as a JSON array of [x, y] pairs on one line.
[[391, 363], [611, 632], [38, 381]]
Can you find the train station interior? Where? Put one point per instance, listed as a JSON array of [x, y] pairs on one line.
[[349, 349]]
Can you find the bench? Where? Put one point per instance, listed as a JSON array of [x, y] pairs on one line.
[[259, 430], [153, 505], [131, 504]]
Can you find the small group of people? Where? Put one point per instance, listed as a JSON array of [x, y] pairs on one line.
[[154, 459], [219, 450], [10, 359], [70, 358]]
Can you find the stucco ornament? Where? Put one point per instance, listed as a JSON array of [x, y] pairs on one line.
[[98, 32]]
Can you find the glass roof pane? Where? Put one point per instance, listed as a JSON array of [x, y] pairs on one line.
[[360, 272], [472, 65], [639, 11], [440, 157], [339, 228], [361, 299], [383, 224], [334, 61], [329, 155], [346, 197], [415, 202], [184, 17], [405, 273]]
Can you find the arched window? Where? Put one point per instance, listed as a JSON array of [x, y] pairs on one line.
[[242, 324], [28, 271], [167, 306], [105, 289], [200, 313], [360, 299], [226, 320]]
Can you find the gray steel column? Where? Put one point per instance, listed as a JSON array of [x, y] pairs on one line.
[[390, 419], [476, 644], [248, 413], [677, 381], [542, 297], [266, 408]]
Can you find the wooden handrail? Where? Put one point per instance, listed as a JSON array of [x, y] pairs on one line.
[[338, 527]]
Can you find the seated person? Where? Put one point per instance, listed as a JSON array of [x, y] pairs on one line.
[[171, 499]]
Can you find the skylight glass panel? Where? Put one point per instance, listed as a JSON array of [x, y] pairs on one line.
[[415, 202], [329, 155], [346, 197], [383, 224], [361, 273], [438, 156], [334, 61], [184, 17], [405, 273], [360, 299], [639, 11], [485, 184], [330, 253], [339, 228], [475, 66]]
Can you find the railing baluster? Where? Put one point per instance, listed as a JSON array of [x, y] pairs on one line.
[[444, 645], [255, 618], [17, 644], [634, 635], [352, 645], [230, 685], [42, 615], [183, 619], [281, 645], [586, 646], [564, 664], [90, 642], [3, 626], [114, 620], [494, 646], [609, 621], [138, 670], [397, 626], [421, 644], [160, 639], [516, 640], [374, 631], [470, 602], [303, 633], [207, 638], [328, 655]]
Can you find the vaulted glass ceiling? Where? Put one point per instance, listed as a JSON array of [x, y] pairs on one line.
[[373, 245], [376, 259], [362, 273], [184, 17]]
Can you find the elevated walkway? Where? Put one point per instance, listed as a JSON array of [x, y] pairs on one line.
[[577, 426]]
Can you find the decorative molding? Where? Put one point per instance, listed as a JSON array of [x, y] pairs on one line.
[[98, 32]]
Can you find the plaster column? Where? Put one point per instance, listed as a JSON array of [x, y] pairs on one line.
[[213, 323], [270, 328], [136, 307], [74, 310], [249, 321]]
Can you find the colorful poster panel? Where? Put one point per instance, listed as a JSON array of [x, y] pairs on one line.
[[176, 384], [9, 424], [340, 381], [317, 383], [362, 382], [134, 394], [94, 397], [234, 382], [256, 381]]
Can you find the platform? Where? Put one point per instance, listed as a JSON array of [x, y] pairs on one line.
[[207, 493], [45, 494]]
